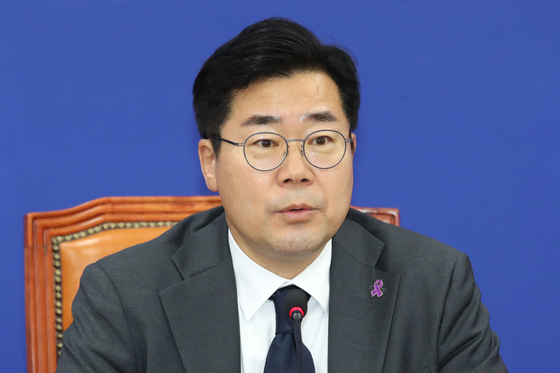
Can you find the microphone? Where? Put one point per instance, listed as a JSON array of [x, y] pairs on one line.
[[295, 305]]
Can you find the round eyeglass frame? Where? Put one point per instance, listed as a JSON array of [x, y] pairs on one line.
[[302, 151]]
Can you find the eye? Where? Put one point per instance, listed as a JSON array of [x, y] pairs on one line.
[[262, 142], [320, 140], [265, 143]]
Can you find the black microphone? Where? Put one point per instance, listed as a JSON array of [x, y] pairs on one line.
[[295, 305]]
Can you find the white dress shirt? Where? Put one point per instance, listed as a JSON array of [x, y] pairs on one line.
[[257, 318]]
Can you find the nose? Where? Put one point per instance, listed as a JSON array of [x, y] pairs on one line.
[[295, 169]]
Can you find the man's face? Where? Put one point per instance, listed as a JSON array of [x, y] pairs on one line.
[[282, 218]]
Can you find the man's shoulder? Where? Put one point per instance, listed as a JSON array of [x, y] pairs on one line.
[[402, 248], [162, 248]]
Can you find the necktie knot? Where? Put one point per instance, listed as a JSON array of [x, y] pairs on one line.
[[284, 323]]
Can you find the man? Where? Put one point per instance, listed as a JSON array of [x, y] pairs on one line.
[[276, 110]]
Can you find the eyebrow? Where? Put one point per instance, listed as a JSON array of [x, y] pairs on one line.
[[321, 116], [259, 120]]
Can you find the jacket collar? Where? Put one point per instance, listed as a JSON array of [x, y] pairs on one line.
[[359, 322], [202, 309]]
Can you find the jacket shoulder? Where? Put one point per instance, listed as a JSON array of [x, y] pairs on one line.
[[173, 238], [403, 248], [155, 255]]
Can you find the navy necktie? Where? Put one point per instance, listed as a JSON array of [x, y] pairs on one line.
[[282, 355]]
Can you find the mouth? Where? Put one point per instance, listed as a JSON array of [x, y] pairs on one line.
[[296, 208], [297, 213]]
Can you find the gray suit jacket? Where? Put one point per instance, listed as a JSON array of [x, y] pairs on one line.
[[170, 305]]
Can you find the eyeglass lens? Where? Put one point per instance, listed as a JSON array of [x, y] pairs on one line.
[[323, 149]]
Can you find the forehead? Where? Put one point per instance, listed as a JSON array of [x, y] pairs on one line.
[[310, 98]]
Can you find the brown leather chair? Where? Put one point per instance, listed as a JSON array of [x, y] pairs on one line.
[[60, 244]]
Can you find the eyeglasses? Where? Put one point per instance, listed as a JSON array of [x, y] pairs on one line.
[[265, 151]]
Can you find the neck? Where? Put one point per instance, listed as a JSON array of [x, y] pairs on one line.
[[288, 267]]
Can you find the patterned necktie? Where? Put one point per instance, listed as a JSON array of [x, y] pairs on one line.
[[282, 355]]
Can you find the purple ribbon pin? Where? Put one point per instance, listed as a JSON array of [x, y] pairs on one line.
[[377, 289]]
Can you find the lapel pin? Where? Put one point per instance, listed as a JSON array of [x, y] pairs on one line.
[[377, 289]]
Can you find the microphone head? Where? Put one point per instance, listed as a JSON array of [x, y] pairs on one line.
[[295, 298]]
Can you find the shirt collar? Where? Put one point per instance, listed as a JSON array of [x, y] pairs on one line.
[[256, 284]]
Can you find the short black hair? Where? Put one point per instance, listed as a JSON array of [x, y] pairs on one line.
[[271, 48]]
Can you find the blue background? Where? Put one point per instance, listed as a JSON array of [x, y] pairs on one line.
[[459, 128]]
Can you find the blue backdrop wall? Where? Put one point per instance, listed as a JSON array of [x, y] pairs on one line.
[[459, 128]]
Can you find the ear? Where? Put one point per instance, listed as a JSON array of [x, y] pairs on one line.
[[353, 136], [207, 159]]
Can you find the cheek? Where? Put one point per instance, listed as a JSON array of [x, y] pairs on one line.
[[239, 185], [339, 190], [337, 180]]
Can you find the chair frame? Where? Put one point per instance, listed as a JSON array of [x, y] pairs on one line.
[[44, 230]]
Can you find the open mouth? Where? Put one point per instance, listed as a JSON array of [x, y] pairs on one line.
[[298, 213], [296, 208]]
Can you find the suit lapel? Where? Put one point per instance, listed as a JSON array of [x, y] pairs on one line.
[[202, 309], [359, 324]]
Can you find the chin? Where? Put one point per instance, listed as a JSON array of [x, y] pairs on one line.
[[302, 243]]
